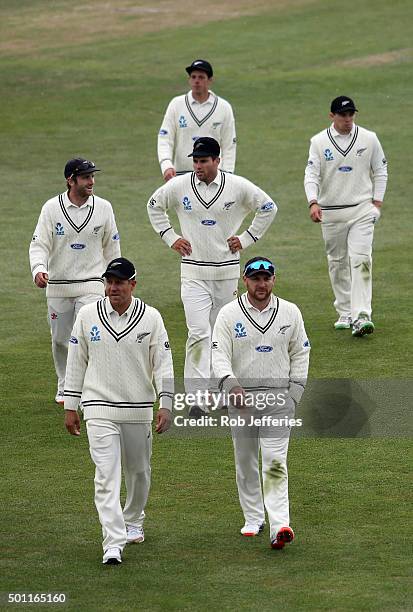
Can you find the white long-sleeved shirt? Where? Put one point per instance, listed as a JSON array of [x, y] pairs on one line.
[[113, 361], [185, 120], [73, 245], [261, 349], [345, 170], [208, 216]]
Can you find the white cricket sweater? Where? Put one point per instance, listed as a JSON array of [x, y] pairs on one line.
[[345, 171], [261, 350], [186, 120], [111, 370], [208, 224], [73, 245]]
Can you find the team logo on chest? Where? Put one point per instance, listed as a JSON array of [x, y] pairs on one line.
[[283, 329], [60, 229], [141, 336], [95, 334], [239, 329], [187, 203], [182, 122], [328, 155]]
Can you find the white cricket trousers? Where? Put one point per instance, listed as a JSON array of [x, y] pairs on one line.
[[62, 313], [348, 238], [273, 443], [202, 301], [113, 447]]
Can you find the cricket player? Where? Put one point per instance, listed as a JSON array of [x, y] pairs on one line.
[[75, 238], [345, 182], [211, 206], [118, 346], [198, 113], [260, 352]]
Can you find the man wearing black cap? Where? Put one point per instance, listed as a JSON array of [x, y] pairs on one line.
[[75, 237], [260, 353], [118, 346], [345, 182], [198, 113], [211, 206]]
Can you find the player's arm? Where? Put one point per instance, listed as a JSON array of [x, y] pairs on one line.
[[158, 205], [222, 353], [166, 143], [77, 360], [299, 353], [378, 173], [163, 373], [312, 183], [110, 242], [256, 200], [228, 142], [40, 248]]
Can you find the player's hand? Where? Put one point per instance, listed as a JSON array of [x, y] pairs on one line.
[[168, 174], [237, 396], [378, 204], [163, 420], [234, 244], [72, 422], [316, 213], [182, 246], [41, 279]]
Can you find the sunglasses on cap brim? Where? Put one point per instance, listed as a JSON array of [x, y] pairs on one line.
[[259, 266]]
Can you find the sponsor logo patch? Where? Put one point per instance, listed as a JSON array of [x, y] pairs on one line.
[[74, 340], [187, 203], [208, 222], [215, 345], [267, 206], [60, 229], [116, 236], [240, 330], [152, 202], [77, 246], [167, 346], [306, 344], [53, 316], [263, 348], [163, 132], [95, 334], [345, 169], [328, 155], [182, 122]]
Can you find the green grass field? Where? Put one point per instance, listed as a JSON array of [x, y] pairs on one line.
[[94, 80]]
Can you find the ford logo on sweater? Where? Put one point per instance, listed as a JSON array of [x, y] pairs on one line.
[[77, 247], [208, 222], [345, 168], [263, 348]]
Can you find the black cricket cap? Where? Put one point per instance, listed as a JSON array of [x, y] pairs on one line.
[[78, 166], [200, 64], [256, 265], [121, 268], [205, 147], [342, 104]]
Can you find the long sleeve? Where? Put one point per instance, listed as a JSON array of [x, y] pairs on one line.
[[312, 174], [41, 244], [228, 142], [157, 206], [161, 359], [222, 354], [77, 361], [166, 139], [265, 210], [379, 171], [110, 243], [299, 352]]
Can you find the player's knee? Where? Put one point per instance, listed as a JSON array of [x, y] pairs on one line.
[[360, 260]]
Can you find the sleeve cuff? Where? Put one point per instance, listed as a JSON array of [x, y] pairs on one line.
[[170, 237], [246, 239]]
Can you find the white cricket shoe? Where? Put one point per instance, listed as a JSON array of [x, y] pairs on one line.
[[343, 322], [134, 534], [252, 530], [112, 556], [363, 325], [60, 397]]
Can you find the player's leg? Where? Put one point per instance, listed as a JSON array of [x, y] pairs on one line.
[[104, 446], [275, 478], [222, 292], [61, 315], [197, 301], [360, 241], [246, 452], [335, 239], [136, 447]]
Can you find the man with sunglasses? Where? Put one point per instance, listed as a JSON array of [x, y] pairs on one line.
[[75, 238], [260, 353], [345, 182], [211, 206]]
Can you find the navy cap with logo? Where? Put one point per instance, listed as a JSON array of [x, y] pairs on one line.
[[258, 265], [205, 147], [200, 64], [78, 166], [342, 104], [121, 268]]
